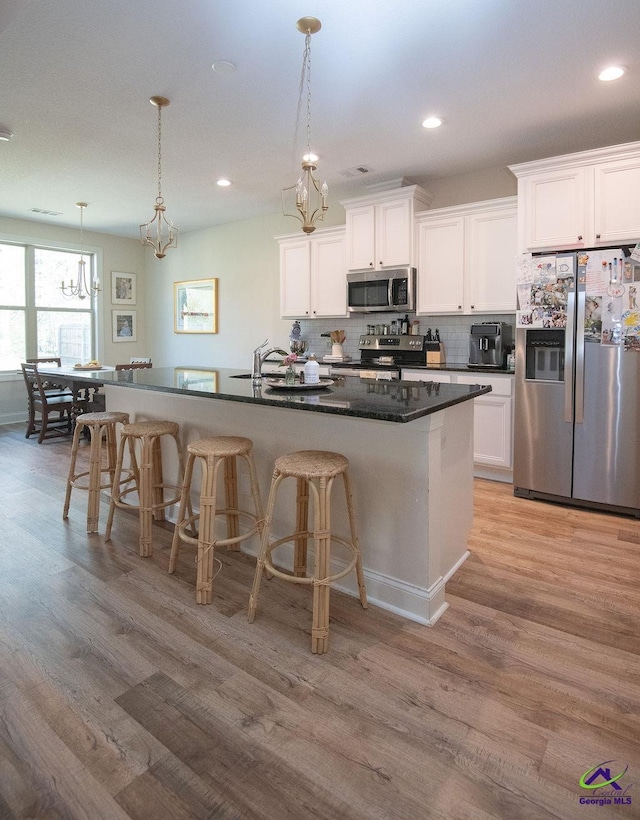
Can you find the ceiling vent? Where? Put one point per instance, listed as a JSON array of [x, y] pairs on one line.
[[358, 171], [44, 213]]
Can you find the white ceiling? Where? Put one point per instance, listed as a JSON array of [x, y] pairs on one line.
[[513, 80]]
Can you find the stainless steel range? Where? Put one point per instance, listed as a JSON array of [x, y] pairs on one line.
[[381, 357]]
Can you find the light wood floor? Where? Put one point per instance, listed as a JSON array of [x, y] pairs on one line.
[[121, 698]]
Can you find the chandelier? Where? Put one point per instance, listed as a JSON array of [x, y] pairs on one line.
[[159, 232], [310, 195], [79, 289]]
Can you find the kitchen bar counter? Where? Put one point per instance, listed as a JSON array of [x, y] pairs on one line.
[[362, 398], [410, 447]]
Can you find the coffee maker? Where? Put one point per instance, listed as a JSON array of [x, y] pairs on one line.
[[489, 344]]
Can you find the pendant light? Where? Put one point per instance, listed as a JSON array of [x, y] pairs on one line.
[[159, 232], [310, 196], [79, 289]]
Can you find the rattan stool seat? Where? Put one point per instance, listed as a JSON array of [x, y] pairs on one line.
[[312, 464], [220, 446], [314, 471], [151, 428], [145, 476], [100, 425], [213, 454]]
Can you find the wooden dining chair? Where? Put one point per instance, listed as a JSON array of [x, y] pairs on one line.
[[54, 409], [134, 366], [48, 381]]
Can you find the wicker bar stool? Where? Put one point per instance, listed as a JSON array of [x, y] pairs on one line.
[[314, 469], [147, 476], [214, 453], [101, 427]]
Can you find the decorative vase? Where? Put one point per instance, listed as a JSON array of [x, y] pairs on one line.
[[290, 375]]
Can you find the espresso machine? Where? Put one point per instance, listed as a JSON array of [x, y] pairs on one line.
[[489, 344]]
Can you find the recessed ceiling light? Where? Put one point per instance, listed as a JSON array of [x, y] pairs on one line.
[[432, 122], [223, 67], [223, 183], [5, 135], [613, 72]]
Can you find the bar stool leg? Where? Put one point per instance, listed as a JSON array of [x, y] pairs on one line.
[[264, 545], [302, 528], [157, 492], [354, 539], [321, 588], [146, 494], [182, 512], [95, 465], [111, 451], [231, 498], [72, 471], [206, 533], [115, 487]]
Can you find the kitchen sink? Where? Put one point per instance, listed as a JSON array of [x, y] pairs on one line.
[[242, 376]]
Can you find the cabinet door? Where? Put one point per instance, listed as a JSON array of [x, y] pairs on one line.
[[617, 202], [361, 237], [440, 266], [295, 278], [328, 276], [491, 270], [554, 210], [393, 233], [492, 420]]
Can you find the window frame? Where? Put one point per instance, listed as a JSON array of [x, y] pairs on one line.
[[94, 257]]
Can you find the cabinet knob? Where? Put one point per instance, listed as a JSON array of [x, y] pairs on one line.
[[579, 238], [597, 236], [459, 307], [370, 264], [473, 307]]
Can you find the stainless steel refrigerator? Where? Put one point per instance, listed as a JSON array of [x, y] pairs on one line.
[[577, 397]]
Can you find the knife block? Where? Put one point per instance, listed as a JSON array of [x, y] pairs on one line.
[[435, 353]]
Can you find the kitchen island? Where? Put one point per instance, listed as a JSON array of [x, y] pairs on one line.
[[410, 446]]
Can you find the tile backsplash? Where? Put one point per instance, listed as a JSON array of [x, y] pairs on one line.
[[454, 331]]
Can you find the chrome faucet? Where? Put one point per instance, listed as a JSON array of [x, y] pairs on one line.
[[258, 359]]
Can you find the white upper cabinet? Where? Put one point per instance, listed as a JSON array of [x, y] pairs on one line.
[[380, 230], [617, 201], [492, 244], [466, 258], [313, 275], [440, 283], [579, 200]]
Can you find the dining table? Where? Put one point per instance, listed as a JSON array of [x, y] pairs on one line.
[[85, 394]]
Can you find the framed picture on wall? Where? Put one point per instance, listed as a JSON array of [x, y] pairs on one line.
[[123, 288], [124, 325], [196, 306]]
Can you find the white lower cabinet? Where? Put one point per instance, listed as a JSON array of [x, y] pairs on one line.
[[493, 418]]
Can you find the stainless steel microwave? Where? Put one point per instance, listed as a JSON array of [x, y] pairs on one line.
[[377, 291]]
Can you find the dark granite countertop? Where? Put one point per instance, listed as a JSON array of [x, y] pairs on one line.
[[349, 396], [460, 367]]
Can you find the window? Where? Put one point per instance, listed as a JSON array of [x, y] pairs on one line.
[[36, 319]]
